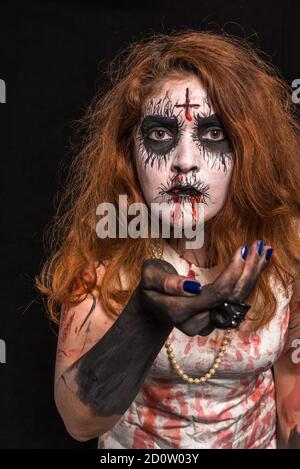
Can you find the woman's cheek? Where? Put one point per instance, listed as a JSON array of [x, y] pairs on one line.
[[148, 185], [219, 189]]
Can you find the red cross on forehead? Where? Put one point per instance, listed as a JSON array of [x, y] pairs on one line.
[[187, 106]]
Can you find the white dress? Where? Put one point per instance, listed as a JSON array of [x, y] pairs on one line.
[[234, 409]]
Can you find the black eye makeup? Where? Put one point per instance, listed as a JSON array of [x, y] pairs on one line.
[[159, 131], [159, 136], [161, 127], [212, 140]]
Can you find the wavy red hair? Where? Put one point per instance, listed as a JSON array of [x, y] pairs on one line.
[[255, 107]]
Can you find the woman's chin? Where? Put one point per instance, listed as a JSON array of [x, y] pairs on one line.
[[189, 225]]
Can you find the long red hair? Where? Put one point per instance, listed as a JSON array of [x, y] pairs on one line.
[[255, 107]]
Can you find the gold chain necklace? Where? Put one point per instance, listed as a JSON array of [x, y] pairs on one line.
[[156, 252]]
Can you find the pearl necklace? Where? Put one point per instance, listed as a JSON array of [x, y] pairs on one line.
[[211, 371], [156, 251]]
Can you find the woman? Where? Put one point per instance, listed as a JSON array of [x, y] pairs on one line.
[[146, 356]]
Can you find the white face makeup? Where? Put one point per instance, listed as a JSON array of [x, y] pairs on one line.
[[183, 155]]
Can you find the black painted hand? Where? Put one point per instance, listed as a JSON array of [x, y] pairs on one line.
[[108, 377], [161, 291]]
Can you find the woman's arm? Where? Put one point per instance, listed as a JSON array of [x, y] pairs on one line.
[[80, 328], [101, 364], [287, 380]]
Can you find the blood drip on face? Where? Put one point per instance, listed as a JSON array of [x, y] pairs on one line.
[[193, 200], [195, 213]]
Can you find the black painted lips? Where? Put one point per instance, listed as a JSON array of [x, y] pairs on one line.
[[184, 190]]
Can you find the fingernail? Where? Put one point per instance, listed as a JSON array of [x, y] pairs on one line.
[[192, 286], [244, 252], [268, 253], [260, 246]]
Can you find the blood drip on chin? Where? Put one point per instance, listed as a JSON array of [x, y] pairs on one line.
[[195, 212]]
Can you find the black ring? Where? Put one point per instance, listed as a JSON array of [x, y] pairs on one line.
[[228, 315]]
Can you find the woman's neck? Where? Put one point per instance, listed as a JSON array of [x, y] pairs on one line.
[[194, 256]]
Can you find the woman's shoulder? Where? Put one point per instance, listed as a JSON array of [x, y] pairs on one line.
[[82, 323], [89, 305]]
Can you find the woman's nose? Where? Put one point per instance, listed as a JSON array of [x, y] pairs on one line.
[[186, 157]]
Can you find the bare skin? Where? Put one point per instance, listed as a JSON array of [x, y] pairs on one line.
[[102, 363]]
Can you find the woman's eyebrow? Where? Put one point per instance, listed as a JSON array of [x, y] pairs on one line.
[[156, 120], [208, 120]]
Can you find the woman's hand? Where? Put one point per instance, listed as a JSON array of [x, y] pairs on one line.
[[95, 389], [161, 291]]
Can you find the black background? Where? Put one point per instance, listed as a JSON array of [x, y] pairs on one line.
[[53, 56]]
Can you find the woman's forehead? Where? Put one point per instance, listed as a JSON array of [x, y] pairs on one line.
[[175, 89], [186, 96]]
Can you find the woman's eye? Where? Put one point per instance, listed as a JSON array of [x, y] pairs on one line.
[[214, 134], [160, 134]]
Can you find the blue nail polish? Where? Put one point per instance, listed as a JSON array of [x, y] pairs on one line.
[[244, 252], [260, 247], [268, 253], [191, 286]]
